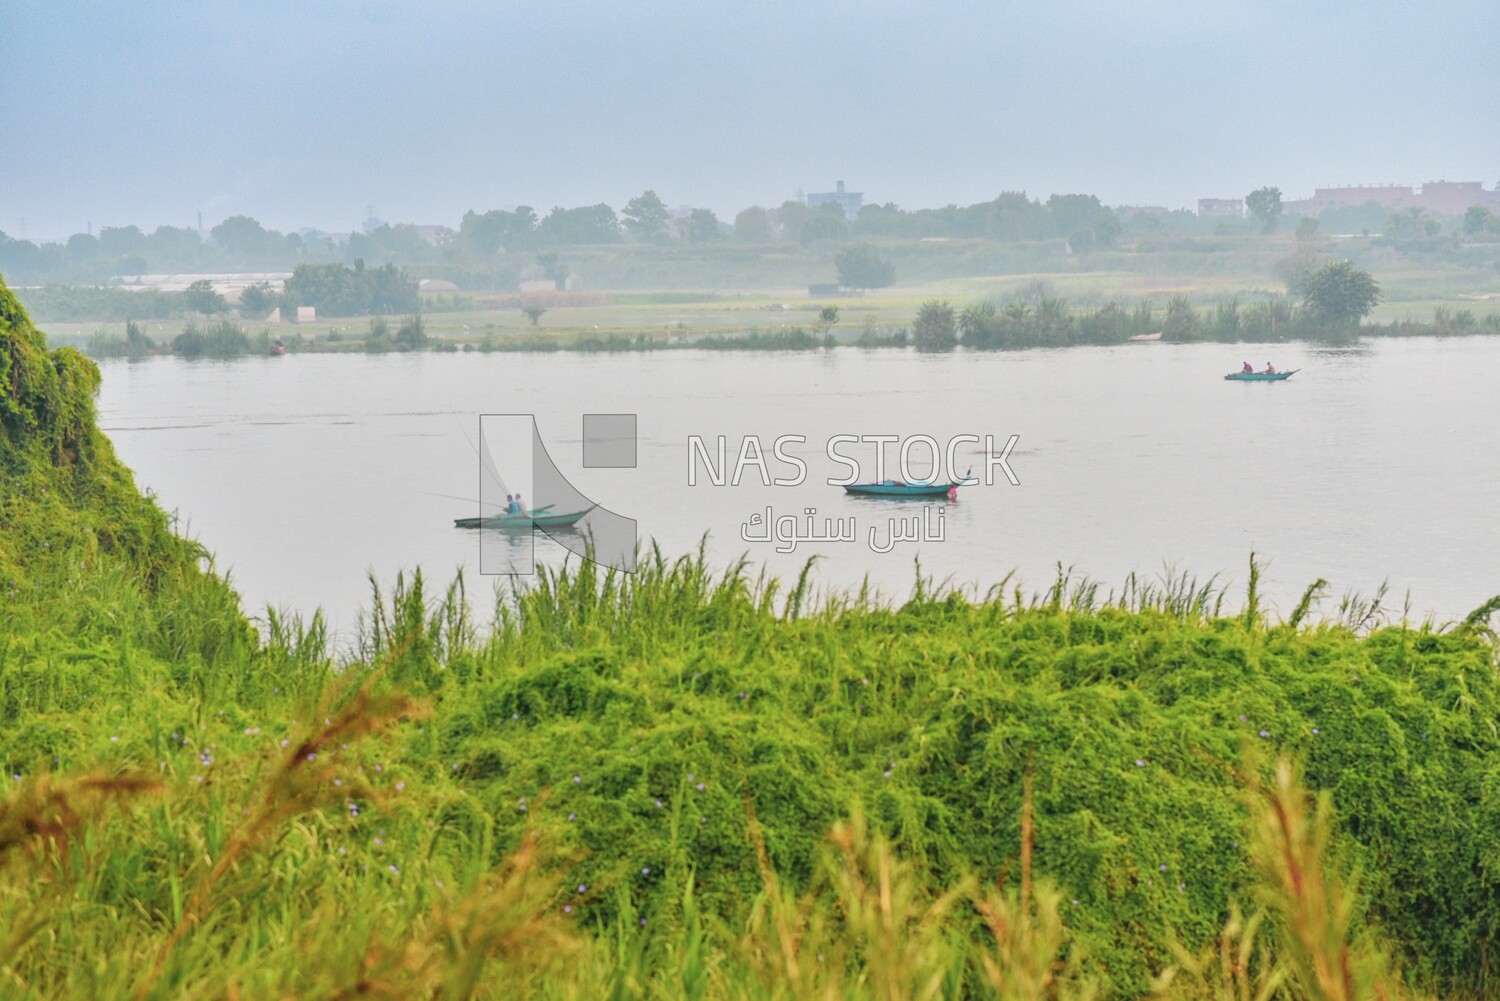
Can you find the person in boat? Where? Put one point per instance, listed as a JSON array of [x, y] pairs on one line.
[[1248, 368], [1270, 369], [520, 505], [510, 504]]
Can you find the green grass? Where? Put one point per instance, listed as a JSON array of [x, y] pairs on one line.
[[700, 782]]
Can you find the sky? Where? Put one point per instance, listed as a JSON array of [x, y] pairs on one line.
[[302, 114]]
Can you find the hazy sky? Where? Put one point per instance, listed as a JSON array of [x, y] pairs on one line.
[[302, 113]]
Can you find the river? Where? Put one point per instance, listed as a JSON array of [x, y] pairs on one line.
[[303, 474]]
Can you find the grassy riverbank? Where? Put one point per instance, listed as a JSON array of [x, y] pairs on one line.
[[701, 783]]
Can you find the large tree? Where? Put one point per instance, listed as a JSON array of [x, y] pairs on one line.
[[753, 225], [1336, 292], [1264, 205], [200, 297], [703, 226], [936, 327], [862, 266], [645, 217]]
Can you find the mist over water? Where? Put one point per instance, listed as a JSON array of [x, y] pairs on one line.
[[305, 473]]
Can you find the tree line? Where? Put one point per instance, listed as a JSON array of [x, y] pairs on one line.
[[1333, 299], [1087, 224]]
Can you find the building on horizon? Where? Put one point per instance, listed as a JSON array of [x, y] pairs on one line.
[[1437, 197], [849, 201], [1226, 208]]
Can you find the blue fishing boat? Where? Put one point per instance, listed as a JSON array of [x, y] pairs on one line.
[[900, 488]]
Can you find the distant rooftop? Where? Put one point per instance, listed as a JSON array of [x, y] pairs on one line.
[[849, 201]]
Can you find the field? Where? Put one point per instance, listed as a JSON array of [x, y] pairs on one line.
[[682, 291]]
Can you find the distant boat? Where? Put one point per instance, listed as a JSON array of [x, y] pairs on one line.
[[1259, 376], [900, 488], [523, 522], [277, 349], [1145, 338]]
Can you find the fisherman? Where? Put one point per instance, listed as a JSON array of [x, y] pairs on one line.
[[510, 504], [1247, 369], [1270, 369], [520, 505]]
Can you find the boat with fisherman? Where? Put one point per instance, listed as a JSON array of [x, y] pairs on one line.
[[540, 518]]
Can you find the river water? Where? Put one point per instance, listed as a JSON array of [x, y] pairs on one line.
[[303, 474]]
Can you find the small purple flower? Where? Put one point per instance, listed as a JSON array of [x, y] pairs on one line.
[[1264, 734], [583, 888], [700, 786], [643, 922], [393, 868], [1163, 867], [570, 816], [658, 804], [567, 908], [1315, 731], [1242, 717], [400, 786], [577, 779], [1139, 763], [312, 756], [646, 871]]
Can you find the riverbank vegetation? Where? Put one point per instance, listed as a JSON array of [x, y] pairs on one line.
[[706, 783]]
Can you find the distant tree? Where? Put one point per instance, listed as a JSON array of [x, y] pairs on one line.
[[936, 327], [827, 222], [1084, 221], [174, 246], [645, 217], [554, 267], [1307, 229], [118, 241], [1294, 269], [1411, 224], [1264, 206], [533, 311], [753, 225], [257, 301], [703, 226], [243, 240], [200, 297], [862, 266], [1479, 219], [82, 248], [1337, 292], [411, 335], [336, 290], [1013, 216], [591, 224], [488, 233], [827, 317], [789, 219]]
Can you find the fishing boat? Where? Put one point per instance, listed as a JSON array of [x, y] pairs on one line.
[[277, 349], [542, 518], [900, 488], [1148, 338], [1259, 376]]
